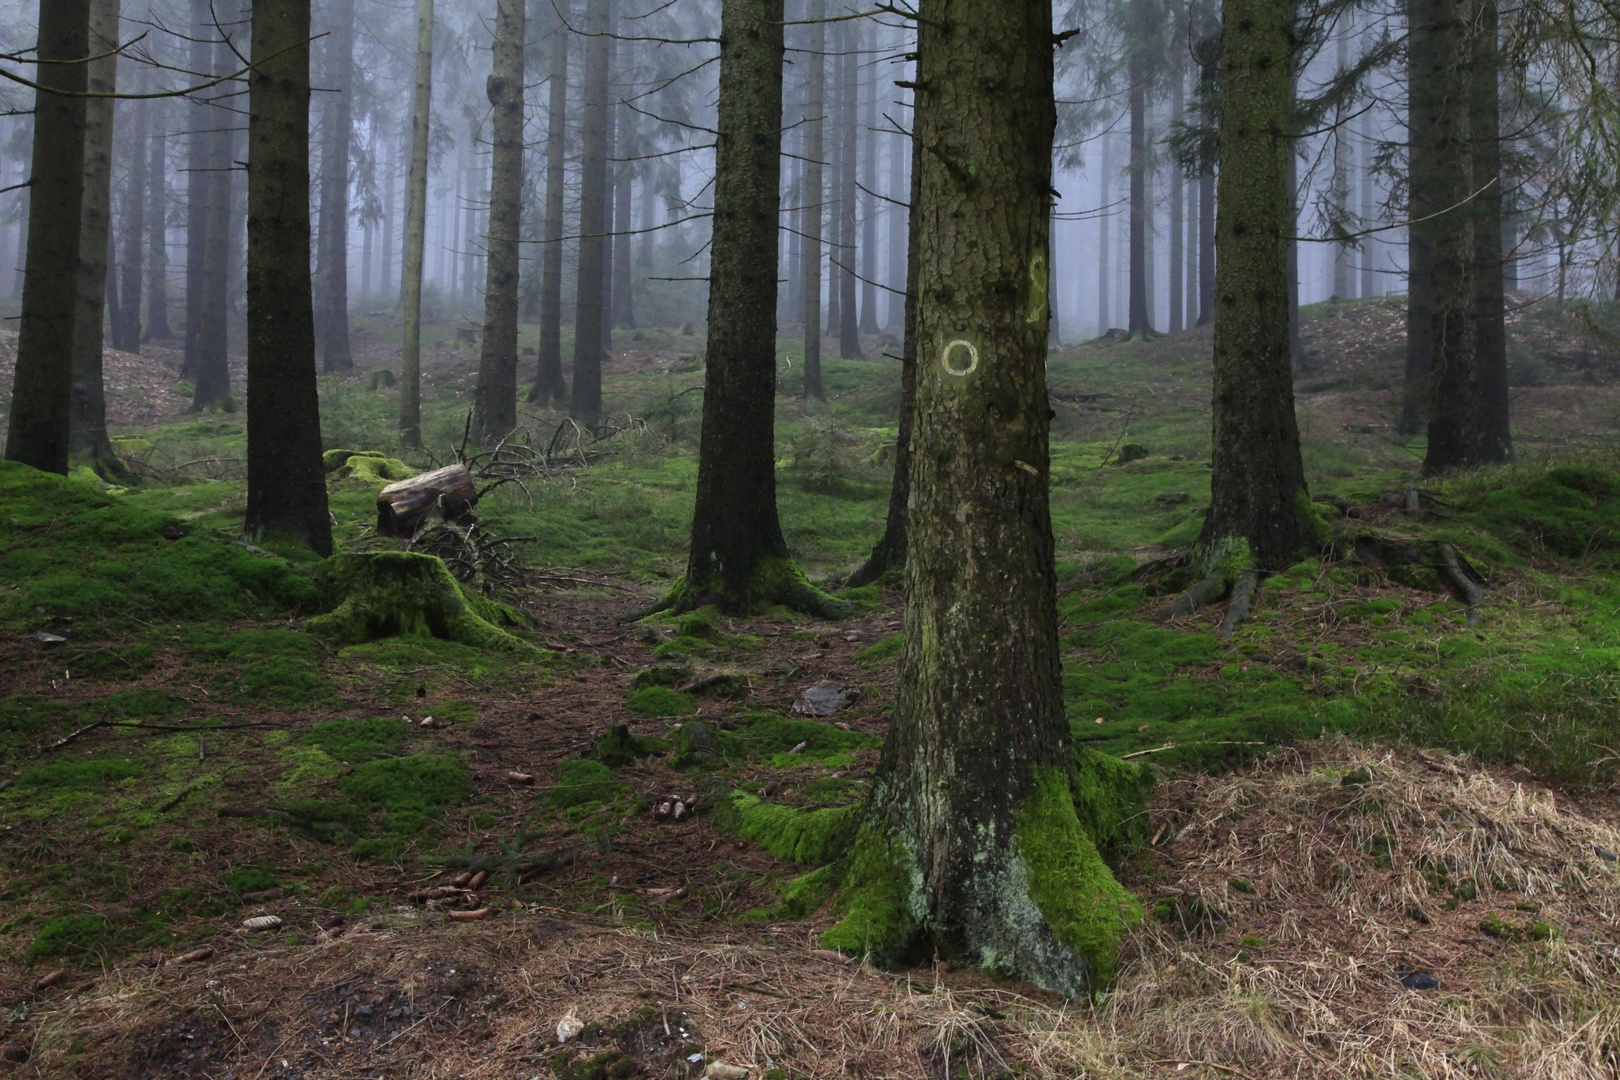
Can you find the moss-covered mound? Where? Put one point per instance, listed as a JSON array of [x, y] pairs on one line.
[[403, 593], [369, 466], [1569, 512], [79, 552]]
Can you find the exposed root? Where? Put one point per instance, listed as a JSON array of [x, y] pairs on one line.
[[1462, 586], [1211, 589], [1242, 605]]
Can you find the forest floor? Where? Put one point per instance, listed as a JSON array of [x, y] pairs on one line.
[[1383, 841]]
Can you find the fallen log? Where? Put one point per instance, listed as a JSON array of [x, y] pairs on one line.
[[403, 506]]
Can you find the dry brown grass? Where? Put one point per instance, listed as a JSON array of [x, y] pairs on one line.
[[1313, 993]]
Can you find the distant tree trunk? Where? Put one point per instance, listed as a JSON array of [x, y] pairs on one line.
[[869, 217], [1178, 80], [1426, 124], [793, 301], [586, 403], [1140, 319], [549, 386], [1105, 239], [971, 840], [1260, 515], [87, 425], [1208, 91], [610, 203], [1369, 248], [1344, 286], [410, 375], [849, 323], [1190, 269], [1468, 409], [468, 240], [42, 382], [899, 220], [814, 196], [200, 119], [1296, 351], [338, 136], [368, 224], [495, 401], [739, 560], [157, 230], [834, 146], [387, 279], [628, 145], [213, 379], [890, 551], [286, 484], [132, 230]]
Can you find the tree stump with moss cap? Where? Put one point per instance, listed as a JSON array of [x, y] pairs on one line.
[[405, 593], [403, 506]]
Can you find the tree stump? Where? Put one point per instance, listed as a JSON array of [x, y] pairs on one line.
[[403, 594], [402, 507]]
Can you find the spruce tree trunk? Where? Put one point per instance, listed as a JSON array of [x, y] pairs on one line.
[[814, 198], [585, 405], [1208, 89], [890, 550], [338, 125], [549, 386], [200, 118], [849, 325], [495, 400], [42, 382], [869, 217], [1343, 272], [132, 230], [1139, 319], [1105, 239], [386, 277], [971, 850], [286, 483], [1260, 513], [157, 229], [213, 378], [1369, 245], [835, 183], [627, 145], [410, 375], [87, 424], [1423, 96], [1178, 80], [900, 149]]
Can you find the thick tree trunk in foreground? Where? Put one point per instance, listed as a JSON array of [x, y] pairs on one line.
[[814, 198], [1260, 514], [549, 386], [890, 550], [157, 229], [586, 403], [972, 849], [495, 400], [410, 373], [286, 480], [42, 384], [338, 123], [739, 560], [1468, 410], [213, 372], [87, 424]]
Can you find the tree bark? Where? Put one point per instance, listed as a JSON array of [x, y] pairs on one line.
[[286, 480], [1178, 80], [627, 145], [869, 217], [849, 325], [157, 230], [87, 424], [338, 136], [1369, 244], [200, 119], [410, 375], [1208, 92], [213, 373], [1260, 513], [1105, 238], [971, 843], [1139, 318], [900, 151], [814, 198], [1424, 96], [1344, 286], [586, 404], [739, 560], [42, 382], [403, 506], [495, 400], [132, 230], [549, 386]]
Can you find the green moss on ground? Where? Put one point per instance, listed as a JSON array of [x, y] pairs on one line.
[[91, 939], [403, 593], [658, 701], [366, 466], [356, 741], [581, 781], [1071, 885], [807, 837]]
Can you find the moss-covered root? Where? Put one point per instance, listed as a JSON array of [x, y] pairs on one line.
[[1223, 563], [1242, 605], [1047, 910], [775, 581], [402, 593]]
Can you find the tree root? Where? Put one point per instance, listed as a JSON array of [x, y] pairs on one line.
[[1242, 605], [776, 580], [1449, 567], [1211, 589]]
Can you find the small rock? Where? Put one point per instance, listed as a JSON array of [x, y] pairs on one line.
[[568, 1027], [1605, 854], [825, 698], [1131, 451], [719, 1070], [46, 638], [1419, 980]]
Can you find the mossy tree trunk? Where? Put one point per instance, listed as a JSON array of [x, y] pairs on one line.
[[410, 374], [589, 311], [1259, 511], [286, 480], [87, 424], [890, 550], [495, 401], [549, 385], [972, 847], [739, 560], [42, 383]]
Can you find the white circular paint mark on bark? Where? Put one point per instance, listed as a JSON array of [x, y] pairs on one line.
[[966, 368]]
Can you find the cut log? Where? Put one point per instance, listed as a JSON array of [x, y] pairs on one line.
[[403, 506]]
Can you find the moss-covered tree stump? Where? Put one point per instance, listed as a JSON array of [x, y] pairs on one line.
[[403, 593]]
